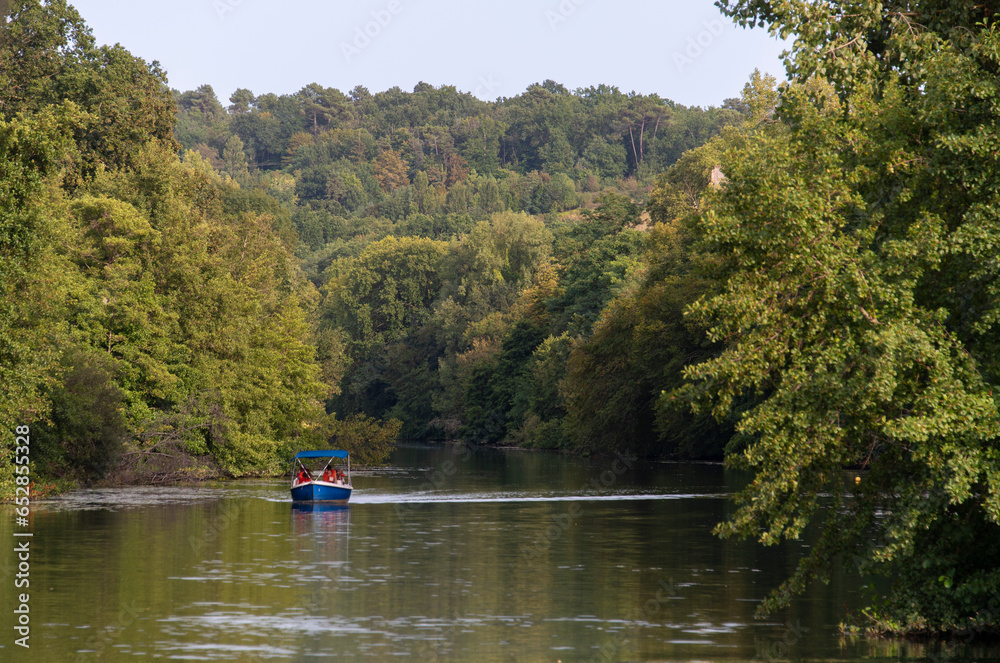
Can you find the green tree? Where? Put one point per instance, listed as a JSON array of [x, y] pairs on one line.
[[497, 260], [369, 441], [42, 52], [235, 159], [488, 197], [859, 297], [498, 391], [424, 196], [31, 149], [48, 56], [545, 425], [85, 434], [605, 158], [678, 191], [199, 307], [118, 308], [387, 290], [323, 106], [201, 120], [241, 101]]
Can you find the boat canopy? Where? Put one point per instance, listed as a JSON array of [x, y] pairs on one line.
[[332, 453]]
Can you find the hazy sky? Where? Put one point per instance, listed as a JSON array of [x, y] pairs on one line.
[[683, 50]]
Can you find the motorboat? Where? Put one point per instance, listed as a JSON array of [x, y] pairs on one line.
[[328, 484]]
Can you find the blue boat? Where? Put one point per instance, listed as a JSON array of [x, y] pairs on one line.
[[329, 484]]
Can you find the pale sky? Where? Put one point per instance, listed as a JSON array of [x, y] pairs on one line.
[[683, 50]]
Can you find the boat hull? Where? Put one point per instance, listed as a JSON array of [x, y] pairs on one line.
[[321, 491]]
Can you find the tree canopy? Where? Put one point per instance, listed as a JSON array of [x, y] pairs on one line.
[[854, 245]]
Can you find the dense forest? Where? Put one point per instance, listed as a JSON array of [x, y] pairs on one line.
[[464, 250], [801, 280], [196, 289]]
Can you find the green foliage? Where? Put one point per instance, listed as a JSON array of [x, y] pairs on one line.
[[678, 191], [545, 426], [604, 269], [235, 159], [85, 434], [377, 301], [497, 260], [845, 41], [369, 441], [163, 294], [42, 52], [31, 148], [450, 137], [201, 121], [48, 57], [497, 397], [385, 291], [200, 303], [161, 317], [856, 253], [615, 376]]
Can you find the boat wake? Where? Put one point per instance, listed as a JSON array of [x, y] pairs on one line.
[[363, 497]]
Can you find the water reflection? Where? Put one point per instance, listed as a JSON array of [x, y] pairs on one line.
[[447, 555], [341, 512]]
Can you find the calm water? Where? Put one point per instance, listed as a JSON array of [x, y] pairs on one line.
[[447, 555]]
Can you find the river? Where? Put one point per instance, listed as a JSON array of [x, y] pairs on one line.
[[446, 555]]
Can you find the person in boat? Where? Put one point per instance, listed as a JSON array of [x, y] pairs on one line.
[[329, 475], [303, 476]]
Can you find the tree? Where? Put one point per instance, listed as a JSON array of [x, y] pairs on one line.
[[42, 51], [201, 120], [498, 259], [856, 256], [605, 158], [678, 191], [188, 288], [323, 106], [843, 41], [385, 291], [235, 159], [86, 431], [31, 149], [424, 195], [369, 441], [478, 140], [241, 101], [118, 309], [47, 56], [497, 395], [488, 196], [390, 170]]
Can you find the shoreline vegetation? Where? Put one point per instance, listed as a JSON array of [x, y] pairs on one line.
[[801, 280]]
